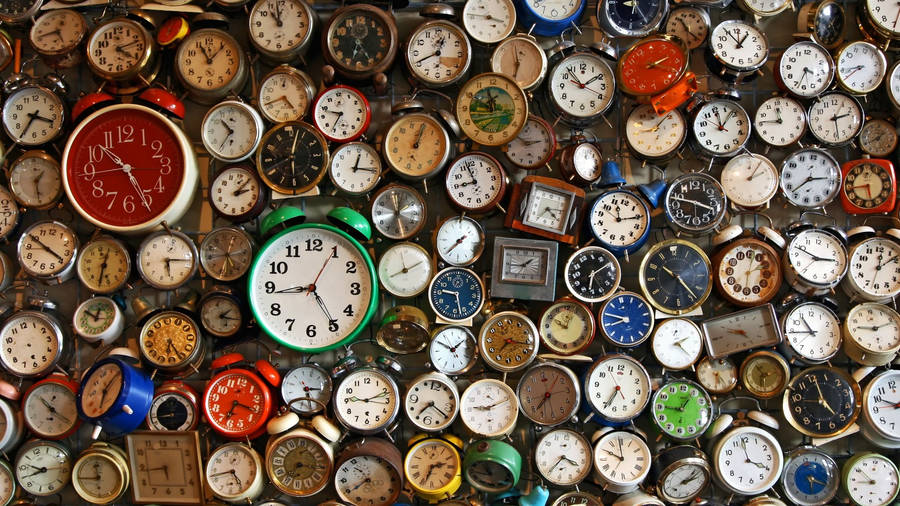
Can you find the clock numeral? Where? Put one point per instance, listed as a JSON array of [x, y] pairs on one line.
[[311, 331], [290, 323], [278, 268], [351, 267], [313, 245], [348, 310], [275, 309], [354, 289]]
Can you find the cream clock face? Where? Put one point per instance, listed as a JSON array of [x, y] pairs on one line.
[[622, 458], [367, 399], [652, 136], [489, 408], [563, 457]]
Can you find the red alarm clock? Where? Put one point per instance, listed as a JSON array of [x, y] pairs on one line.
[[49, 407], [652, 65], [127, 168], [237, 402], [869, 186]]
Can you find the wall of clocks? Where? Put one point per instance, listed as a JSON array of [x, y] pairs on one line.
[[610, 305]]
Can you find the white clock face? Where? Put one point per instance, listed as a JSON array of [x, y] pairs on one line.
[[582, 85], [810, 178], [167, 260], [221, 315], [98, 477], [748, 460], [235, 191], [33, 116], [431, 455], [208, 59], [806, 69], [474, 181], [885, 15], [780, 121], [685, 482], [618, 388], [690, 24], [721, 127], [750, 180], [835, 118], [548, 209], [438, 53], [58, 31], [452, 349], [398, 212], [818, 257], [367, 400], [283, 97], [872, 480], [43, 469], [652, 136], [431, 403], [619, 218], [367, 479], [489, 408], [554, 10], [812, 331], [739, 45], [622, 458], [875, 268], [341, 113], [31, 344], [677, 343], [563, 457], [874, 327], [337, 301], [489, 21], [355, 168], [47, 248], [405, 269], [882, 398], [9, 212], [860, 67], [459, 241], [50, 409], [587, 161], [231, 470], [533, 146], [306, 382], [35, 180], [766, 7], [231, 131], [117, 47], [279, 27]]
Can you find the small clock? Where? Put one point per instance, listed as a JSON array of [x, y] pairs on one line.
[[626, 319], [341, 113], [48, 407], [285, 94], [475, 183], [211, 65], [489, 22], [878, 138], [871, 334], [167, 259], [360, 41], [35, 180], [405, 269], [780, 121], [535, 145], [100, 475], [33, 115], [524, 268], [293, 157], [563, 457], [284, 454], [547, 207], [870, 186], [810, 178], [366, 400], [567, 326], [237, 194], [404, 330], [805, 69], [104, 264], [171, 342], [681, 410], [231, 131], [681, 473], [491, 109], [720, 128], [398, 211], [677, 343], [492, 466], [355, 168], [753, 327], [675, 276], [221, 312], [453, 350], [580, 98], [431, 402], [812, 332], [47, 251], [810, 476], [762, 462], [459, 240], [9, 213], [549, 394], [281, 31], [53, 462], [695, 203], [650, 136], [416, 146], [174, 407], [489, 408], [35, 341], [368, 471], [99, 319], [623, 451], [717, 375], [765, 374], [508, 341], [690, 24], [652, 65], [736, 50], [822, 401], [438, 53], [835, 118], [549, 20], [617, 389], [150, 456], [234, 472], [746, 270], [226, 253], [860, 67], [870, 478], [581, 162], [306, 381], [427, 454], [522, 58]]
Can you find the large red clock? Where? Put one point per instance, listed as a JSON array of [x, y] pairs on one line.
[[128, 168], [237, 404]]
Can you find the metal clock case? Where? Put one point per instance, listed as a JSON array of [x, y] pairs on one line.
[[14, 430], [299, 445], [108, 478], [226, 253], [237, 194], [233, 385], [170, 341], [690, 24], [826, 408], [48, 407], [880, 420], [241, 135], [162, 276], [234, 472], [763, 457], [686, 271], [626, 319], [489, 408], [875, 176], [126, 72], [432, 391], [812, 333], [524, 269], [492, 466], [726, 56], [870, 478], [369, 471], [438, 53], [531, 211], [743, 330], [871, 334], [35, 341], [548, 20], [619, 19], [398, 211], [416, 145], [33, 115], [709, 118], [695, 204], [652, 137], [459, 240], [475, 183], [297, 146], [278, 41], [835, 118], [522, 58], [810, 476], [35, 180], [489, 22], [758, 367], [467, 291], [584, 105], [592, 274], [801, 173], [815, 259], [567, 326], [204, 79], [537, 390], [508, 341], [746, 269], [357, 386], [453, 350], [53, 459], [375, 38], [681, 473], [878, 138], [48, 251], [404, 329], [564, 457], [780, 121], [285, 94], [824, 22], [491, 109], [355, 168], [305, 384], [872, 275], [221, 312], [605, 396], [617, 447]]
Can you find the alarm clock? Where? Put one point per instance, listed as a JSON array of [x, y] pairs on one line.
[[114, 396]]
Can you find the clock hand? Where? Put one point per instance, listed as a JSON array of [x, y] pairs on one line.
[[293, 289], [755, 170], [680, 281], [45, 247], [137, 187], [694, 202], [321, 304], [432, 406], [227, 137], [492, 406], [211, 58], [690, 478], [613, 454], [868, 188], [52, 409], [406, 269], [728, 32], [807, 180]]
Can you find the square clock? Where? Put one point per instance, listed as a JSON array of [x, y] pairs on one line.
[[165, 467], [524, 269]]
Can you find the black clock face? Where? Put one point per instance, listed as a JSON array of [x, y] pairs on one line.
[[867, 185], [695, 202], [675, 276], [171, 414], [592, 274], [293, 157], [634, 14], [829, 24], [822, 401], [359, 40]]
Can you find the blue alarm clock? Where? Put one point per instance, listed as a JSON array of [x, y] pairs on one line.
[[456, 294], [626, 319], [620, 221], [115, 396], [810, 476], [549, 18]]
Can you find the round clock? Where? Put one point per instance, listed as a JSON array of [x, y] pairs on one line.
[[367, 401], [489, 22], [491, 109], [690, 24], [492, 466], [617, 388], [35, 342], [369, 472], [171, 342], [167, 259], [749, 180], [398, 211], [878, 138], [869, 186], [805, 69], [360, 40], [835, 118], [48, 407], [234, 472], [549, 20], [174, 407], [870, 478], [682, 410], [592, 274], [489, 408], [405, 269], [581, 88], [122, 51], [625, 452], [427, 454], [211, 65], [549, 394], [675, 276], [535, 145], [237, 403], [563, 457], [149, 166], [824, 21], [765, 374], [9, 213], [814, 261], [19, 11], [581, 162], [438, 53], [822, 401], [285, 94], [456, 294], [780, 121], [880, 421], [747, 272], [35, 180], [812, 332], [453, 350], [404, 330], [100, 475], [871, 334], [459, 240], [355, 168], [104, 264], [522, 58], [737, 50], [681, 473], [873, 270], [626, 319], [226, 253], [717, 375], [299, 463], [622, 19], [53, 462], [810, 178], [652, 65], [220, 313], [416, 146], [577, 498], [810, 476], [567, 326], [861, 66], [114, 396], [695, 203], [653, 137], [720, 128], [281, 31], [237, 194], [677, 343], [508, 341], [747, 460], [292, 158], [231, 131], [341, 113], [475, 182], [306, 381], [431, 402], [47, 251]]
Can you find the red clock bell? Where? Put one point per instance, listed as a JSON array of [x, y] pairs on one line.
[[869, 186], [237, 402]]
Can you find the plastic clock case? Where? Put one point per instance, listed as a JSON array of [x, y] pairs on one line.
[[131, 405]]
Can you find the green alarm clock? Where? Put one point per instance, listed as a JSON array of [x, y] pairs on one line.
[[312, 287], [682, 410], [492, 466]]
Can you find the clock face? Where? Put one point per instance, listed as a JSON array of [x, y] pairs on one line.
[[361, 40], [878, 138], [47, 249], [226, 253], [690, 24], [548, 394], [235, 191], [764, 374], [828, 25], [717, 375], [592, 274], [489, 22], [298, 464], [35, 180], [172, 411], [534, 146], [867, 185], [292, 157], [521, 58], [341, 113], [416, 146], [633, 19], [236, 403], [618, 387], [754, 327], [432, 402], [232, 469], [342, 295], [280, 27], [822, 401], [459, 240], [582, 86], [422, 461], [806, 69], [872, 479], [695, 202], [812, 331], [125, 166], [355, 168], [52, 462], [405, 269], [167, 261], [675, 276], [880, 404], [209, 59], [491, 109], [555, 11], [682, 410], [622, 458], [97, 478], [475, 182], [780, 121], [367, 401], [563, 457], [284, 95], [548, 208], [750, 180], [49, 410], [523, 264], [739, 45], [884, 15], [810, 178], [652, 65], [456, 294], [367, 479], [587, 161], [33, 115], [169, 340], [626, 319], [489, 408], [9, 212], [677, 343], [453, 349], [567, 327], [861, 66], [748, 272], [810, 476], [818, 257], [231, 131], [307, 381], [874, 327], [754, 456], [100, 390], [31, 344], [721, 127], [653, 137], [874, 269], [118, 47], [438, 53], [398, 212], [508, 341], [685, 482], [835, 118]]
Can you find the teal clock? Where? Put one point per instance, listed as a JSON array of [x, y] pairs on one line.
[[492, 466], [682, 410], [312, 287]]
